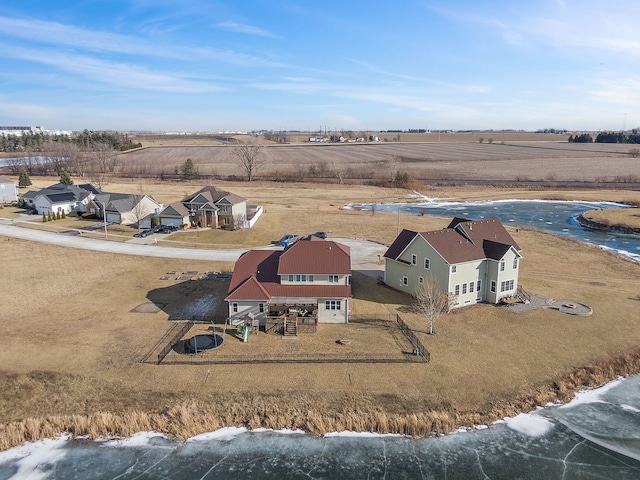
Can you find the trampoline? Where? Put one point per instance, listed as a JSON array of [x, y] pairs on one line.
[[201, 343]]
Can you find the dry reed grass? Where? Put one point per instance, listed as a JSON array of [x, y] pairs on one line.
[[188, 419]]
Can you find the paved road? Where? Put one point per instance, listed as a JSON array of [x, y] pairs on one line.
[[364, 254]]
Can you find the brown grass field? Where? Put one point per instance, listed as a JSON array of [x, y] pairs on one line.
[[619, 217], [509, 161], [72, 344]]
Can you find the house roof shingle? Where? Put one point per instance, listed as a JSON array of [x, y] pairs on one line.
[[256, 275], [463, 241], [324, 257]]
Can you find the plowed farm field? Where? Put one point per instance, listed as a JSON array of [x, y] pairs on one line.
[[517, 161]]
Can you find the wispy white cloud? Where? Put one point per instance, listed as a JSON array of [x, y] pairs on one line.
[[119, 74], [246, 29], [58, 34]]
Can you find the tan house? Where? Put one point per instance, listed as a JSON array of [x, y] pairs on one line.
[[125, 208], [293, 290], [210, 207], [476, 261]]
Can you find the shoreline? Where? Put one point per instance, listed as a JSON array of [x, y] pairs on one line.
[[187, 420], [587, 223]]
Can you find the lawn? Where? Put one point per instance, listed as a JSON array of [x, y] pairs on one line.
[[73, 341]]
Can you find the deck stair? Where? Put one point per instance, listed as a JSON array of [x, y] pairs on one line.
[[290, 325], [522, 295]]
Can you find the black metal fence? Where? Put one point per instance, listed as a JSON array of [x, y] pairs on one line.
[[418, 347], [220, 358], [175, 339]]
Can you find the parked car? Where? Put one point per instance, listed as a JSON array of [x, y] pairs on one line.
[[287, 240], [143, 233], [321, 235], [168, 229]]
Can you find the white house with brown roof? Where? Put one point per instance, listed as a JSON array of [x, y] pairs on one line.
[[475, 261], [303, 285]]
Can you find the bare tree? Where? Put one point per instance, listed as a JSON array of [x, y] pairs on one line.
[[238, 220], [336, 171], [431, 301], [139, 210], [249, 156], [393, 165]]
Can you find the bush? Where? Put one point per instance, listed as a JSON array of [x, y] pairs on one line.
[[49, 217], [64, 214], [44, 217]]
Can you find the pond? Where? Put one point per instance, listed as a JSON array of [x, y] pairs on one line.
[[559, 217]]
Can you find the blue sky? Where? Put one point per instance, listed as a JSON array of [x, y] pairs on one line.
[[297, 65]]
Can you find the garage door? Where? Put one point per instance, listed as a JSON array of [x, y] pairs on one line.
[[171, 222], [113, 218]]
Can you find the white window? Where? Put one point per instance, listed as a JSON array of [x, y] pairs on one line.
[[235, 307], [261, 307], [414, 259], [478, 286], [515, 263], [427, 263], [405, 281], [502, 266], [420, 280], [454, 268], [457, 290], [464, 288], [471, 285], [298, 278], [303, 278], [291, 278], [333, 278], [226, 220], [311, 278], [506, 285], [332, 304], [493, 286]]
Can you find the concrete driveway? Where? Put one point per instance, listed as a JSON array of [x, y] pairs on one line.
[[365, 254]]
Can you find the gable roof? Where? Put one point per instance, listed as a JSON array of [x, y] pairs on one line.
[[256, 275], [324, 257], [60, 193], [175, 209], [462, 241], [213, 195], [121, 202]]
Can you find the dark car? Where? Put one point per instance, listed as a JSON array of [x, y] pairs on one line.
[[143, 233], [321, 235], [168, 229]]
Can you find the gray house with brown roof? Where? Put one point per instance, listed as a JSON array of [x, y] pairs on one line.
[[298, 287], [475, 261]]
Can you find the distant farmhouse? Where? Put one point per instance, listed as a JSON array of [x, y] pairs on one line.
[[8, 190], [476, 261], [293, 290], [211, 207]]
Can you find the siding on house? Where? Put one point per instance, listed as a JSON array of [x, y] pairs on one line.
[[459, 256]]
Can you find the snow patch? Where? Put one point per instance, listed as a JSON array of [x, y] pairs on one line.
[[349, 433], [226, 433], [139, 439], [530, 425], [33, 458], [591, 396]]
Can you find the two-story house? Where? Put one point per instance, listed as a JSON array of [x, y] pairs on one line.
[[476, 261], [294, 289], [208, 207]]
